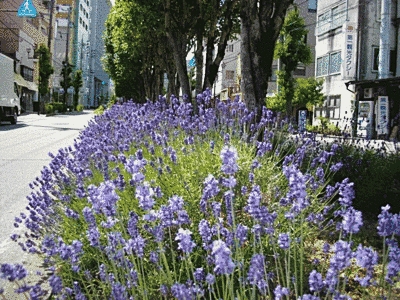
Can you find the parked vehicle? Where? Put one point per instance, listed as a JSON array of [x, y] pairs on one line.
[[10, 104]]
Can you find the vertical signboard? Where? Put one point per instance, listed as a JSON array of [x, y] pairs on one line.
[[349, 52], [382, 115], [302, 120], [365, 119]]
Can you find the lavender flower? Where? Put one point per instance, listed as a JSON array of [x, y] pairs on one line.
[[222, 258], [366, 258], [144, 193], [181, 292], [229, 158], [55, 284], [342, 255], [352, 221], [386, 222], [280, 292], [256, 274], [393, 267], [185, 242], [284, 241], [210, 190], [315, 281], [241, 234], [12, 272]]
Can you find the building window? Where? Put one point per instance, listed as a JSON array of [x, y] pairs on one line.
[[229, 74], [335, 62], [392, 60], [312, 5], [331, 19], [330, 109], [27, 73], [273, 73], [329, 64], [229, 48], [322, 65]]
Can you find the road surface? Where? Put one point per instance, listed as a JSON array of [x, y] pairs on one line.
[[24, 149]]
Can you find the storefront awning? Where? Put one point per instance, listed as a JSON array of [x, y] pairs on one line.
[[22, 82]]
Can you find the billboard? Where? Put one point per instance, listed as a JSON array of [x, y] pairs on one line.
[[382, 115], [349, 51], [365, 119]]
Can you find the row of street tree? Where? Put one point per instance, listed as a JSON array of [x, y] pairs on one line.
[[147, 39]]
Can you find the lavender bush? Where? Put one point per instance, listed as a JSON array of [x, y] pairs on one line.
[[155, 202]]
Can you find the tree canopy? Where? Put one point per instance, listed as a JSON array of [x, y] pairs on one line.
[[145, 40], [291, 49]]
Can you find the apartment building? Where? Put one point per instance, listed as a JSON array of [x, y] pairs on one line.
[[19, 38], [80, 26], [358, 76]]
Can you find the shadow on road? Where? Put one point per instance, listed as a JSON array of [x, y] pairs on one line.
[[6, 126]]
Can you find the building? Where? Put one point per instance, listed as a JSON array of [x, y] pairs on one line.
[[229, 73], [80, 26], [19, 38], [99, 84], [358, 76]]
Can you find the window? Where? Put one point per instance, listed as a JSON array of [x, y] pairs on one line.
[[44, 30], [312, 5], [330, 109], [335, 63], [27, 73], [229, 74], [229, 48], [331, 19], [322, 65], [329, 64], [273, 73], [392, 60]]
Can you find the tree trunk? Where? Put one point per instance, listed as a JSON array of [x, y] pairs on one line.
[[199, 60], [261, 24], [211, 66]]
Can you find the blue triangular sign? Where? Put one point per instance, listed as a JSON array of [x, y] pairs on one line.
[[27, 9]]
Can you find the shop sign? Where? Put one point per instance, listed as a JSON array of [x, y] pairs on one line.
[[349, 51], [382, 115]]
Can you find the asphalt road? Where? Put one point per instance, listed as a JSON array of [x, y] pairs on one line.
[[24, 149]]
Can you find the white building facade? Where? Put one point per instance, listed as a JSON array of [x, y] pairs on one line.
[[348, 39]]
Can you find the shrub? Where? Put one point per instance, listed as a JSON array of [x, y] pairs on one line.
[[99, 110], [156, 202], [79, 107], [48, 108], [60, 107]]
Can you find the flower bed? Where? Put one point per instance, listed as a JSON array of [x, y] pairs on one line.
[[155, 202]]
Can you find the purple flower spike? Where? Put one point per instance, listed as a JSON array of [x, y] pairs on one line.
[[229, 158], [222, 257], [185, 241], [284, 241], [387, 222], [145, 194], [280, 292], [315, 281], [256, 274], [352, 221]]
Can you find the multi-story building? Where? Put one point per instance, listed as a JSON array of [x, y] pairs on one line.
[[229, 73], [350, 35], [98, 80], [19, 38], [80, 26]]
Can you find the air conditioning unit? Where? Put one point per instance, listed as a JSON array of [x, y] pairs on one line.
[[367, 93]]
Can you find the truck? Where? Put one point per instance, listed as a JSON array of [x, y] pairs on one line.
[[10, 104]]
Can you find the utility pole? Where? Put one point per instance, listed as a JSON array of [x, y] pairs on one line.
[[51, 8], [66, 61]]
